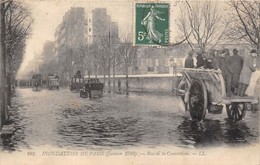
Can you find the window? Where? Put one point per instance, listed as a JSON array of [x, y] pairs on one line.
[[89, 20], [89, 29], [150, 61], [142, 63], [150, 69], [167, 62], [147, 61], [156, 62]]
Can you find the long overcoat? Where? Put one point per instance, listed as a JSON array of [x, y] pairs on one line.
[[189, 62], [236, 63], [247, 70]]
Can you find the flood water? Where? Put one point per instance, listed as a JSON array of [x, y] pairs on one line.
[[62, 119]]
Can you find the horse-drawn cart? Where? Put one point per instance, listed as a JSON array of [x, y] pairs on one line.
[[37, 82], [93, 88], [203, 90], [53, 82]]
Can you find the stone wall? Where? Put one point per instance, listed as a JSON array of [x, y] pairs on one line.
[[145, 84]]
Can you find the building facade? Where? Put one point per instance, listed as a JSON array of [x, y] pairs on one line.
[[79, 37], [157, 60]]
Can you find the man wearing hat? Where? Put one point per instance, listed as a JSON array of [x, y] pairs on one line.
[[189, 61], [245, 76], [236, 63], [200, 59], [208, 62], [225, 68]]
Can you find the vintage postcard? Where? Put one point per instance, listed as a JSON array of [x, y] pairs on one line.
[[129, 82]]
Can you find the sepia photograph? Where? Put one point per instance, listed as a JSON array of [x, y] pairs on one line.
[[128, 82]]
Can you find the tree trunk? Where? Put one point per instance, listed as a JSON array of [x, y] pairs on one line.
[[126, 82], [2, 67], [109, 80], [1, 72], [258, 53], [104, 78], [95, 70], [82, 67], [114, 73], [8, 79], [258, 39], [89, 73]]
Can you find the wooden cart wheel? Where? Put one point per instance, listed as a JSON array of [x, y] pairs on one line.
[[236, 111], [198, 100]]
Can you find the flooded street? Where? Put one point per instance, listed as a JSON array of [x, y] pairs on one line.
[[64, 120]]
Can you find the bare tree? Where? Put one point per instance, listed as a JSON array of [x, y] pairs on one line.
[[201, 23], [115, 61], [245, 20], [127, 55], [102, 56], [17, 27], [2, 65]]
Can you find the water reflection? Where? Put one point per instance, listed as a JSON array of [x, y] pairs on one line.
[[96, 126], [63, 119], [215, 132], [238, 133], [204, 133]]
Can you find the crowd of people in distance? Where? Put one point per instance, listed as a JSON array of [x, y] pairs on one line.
[[235, 69]]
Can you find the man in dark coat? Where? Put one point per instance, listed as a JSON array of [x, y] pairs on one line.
[[200, 60], [245, 76], [225, 67], [208, 63], [236, 63], [189, 63]]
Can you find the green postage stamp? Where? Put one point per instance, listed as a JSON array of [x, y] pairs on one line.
[[151, 25]]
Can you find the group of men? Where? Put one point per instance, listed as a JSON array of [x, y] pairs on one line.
[[236, 71]]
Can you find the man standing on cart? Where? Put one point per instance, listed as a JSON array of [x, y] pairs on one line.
[[236, 63], [189, 63], [200, 59], [226, 70]]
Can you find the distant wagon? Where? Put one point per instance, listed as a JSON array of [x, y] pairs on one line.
[[53, 81], [24, 83], [93, 88], [37, 82], [76, 82]]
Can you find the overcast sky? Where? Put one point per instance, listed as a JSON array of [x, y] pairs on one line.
[[47, 14]]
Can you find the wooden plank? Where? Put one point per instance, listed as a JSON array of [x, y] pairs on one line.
[[200, 70], [245, 99]]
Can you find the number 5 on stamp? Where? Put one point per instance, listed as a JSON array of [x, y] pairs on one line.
[[151, 25]]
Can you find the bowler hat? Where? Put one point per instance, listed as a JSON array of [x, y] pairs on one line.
[[253, 51], [235, 50]]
